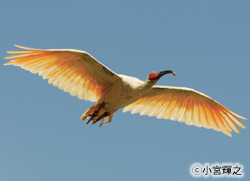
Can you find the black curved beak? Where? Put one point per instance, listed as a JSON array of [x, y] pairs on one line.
[[161, 73]]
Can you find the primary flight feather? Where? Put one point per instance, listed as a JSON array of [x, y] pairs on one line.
[[80, 74]]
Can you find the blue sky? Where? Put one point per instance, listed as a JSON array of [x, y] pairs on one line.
[[41, 135]]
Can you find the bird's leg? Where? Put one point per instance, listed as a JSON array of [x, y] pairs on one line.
[[92, 117], [92, 110], [89, 112], [101, 117], [93, 113], [103, 121], [97, 113], [111, 116]]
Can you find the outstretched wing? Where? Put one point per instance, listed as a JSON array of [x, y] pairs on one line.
[[74, 71], [186, 105]]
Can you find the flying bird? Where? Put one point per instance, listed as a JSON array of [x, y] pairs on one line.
[[80, 74]]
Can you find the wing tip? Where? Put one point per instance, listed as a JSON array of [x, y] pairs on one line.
[[23, 47], [8, 63], [8, 57], [227, 132], [243, 117]]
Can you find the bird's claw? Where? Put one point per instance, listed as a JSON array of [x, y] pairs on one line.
[[94, 118]]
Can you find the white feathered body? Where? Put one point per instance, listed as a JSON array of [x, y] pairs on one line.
[[127, 91]]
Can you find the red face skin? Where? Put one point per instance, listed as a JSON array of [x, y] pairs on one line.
[[153, 76]]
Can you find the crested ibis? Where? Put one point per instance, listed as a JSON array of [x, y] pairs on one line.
[[80, 74]]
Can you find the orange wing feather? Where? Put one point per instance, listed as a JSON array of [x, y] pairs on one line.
[[186, 105], [74, 71]]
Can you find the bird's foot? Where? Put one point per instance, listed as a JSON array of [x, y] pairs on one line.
[[97, 113], [95, 119], [103, 117], [92, 117]]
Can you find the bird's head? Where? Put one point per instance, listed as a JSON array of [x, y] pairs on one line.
[[157, 75]]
